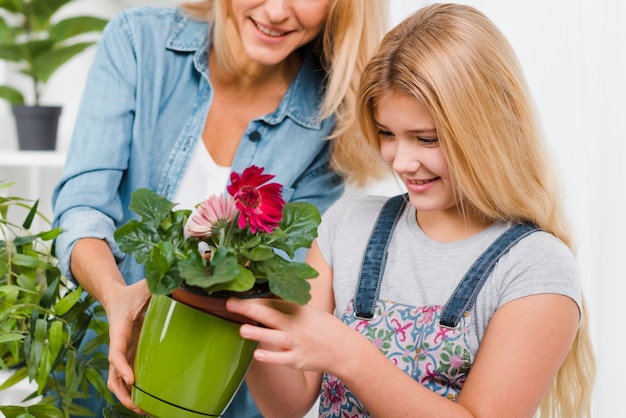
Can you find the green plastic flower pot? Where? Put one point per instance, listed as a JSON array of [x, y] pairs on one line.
[[188, 363]]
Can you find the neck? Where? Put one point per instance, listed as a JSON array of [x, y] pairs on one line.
[[451, 225]]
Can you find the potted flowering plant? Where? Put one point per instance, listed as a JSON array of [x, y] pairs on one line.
[[242, 234], [190, 358]]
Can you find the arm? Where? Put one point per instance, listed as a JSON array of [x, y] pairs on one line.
[[296, 389], [311, 340], [87, 203], [95, 269]]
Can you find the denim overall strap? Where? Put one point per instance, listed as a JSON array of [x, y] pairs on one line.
[[465, 294], [375, 257]]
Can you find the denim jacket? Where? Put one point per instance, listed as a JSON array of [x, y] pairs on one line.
[[143, 110]]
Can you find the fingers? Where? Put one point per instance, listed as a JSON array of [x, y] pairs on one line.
[[125, 320], [269, 312], [122, 391]]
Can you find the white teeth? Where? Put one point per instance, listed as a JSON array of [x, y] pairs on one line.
[[269, 32]]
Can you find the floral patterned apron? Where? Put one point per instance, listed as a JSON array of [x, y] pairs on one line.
[[430, 343]]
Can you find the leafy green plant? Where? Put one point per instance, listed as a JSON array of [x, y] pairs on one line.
[[44, 319], [30, 37], [243, 234]]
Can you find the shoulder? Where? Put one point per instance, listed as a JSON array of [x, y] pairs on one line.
[[539, 263], [348, 224], [158, 24], [353, 211]]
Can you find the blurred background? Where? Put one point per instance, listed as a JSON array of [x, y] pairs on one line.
[[574, 55]]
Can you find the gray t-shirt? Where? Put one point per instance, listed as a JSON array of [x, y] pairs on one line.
[[424, 272]]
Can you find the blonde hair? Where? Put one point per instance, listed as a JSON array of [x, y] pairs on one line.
[[463, 71], [351, 33]]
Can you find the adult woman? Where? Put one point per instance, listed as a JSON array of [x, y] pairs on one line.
[[468, 300], [176, 98]]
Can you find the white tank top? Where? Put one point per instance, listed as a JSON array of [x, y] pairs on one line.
[[202, 178]]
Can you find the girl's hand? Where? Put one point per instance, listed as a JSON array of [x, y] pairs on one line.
[[299, 337], [125, 317]]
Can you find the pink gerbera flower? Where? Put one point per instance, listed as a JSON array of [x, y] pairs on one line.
[[260, 203], [211, 215]]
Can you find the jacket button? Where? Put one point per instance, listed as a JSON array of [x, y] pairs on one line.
[[254, 136]]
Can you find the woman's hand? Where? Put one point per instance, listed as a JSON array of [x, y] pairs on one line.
[[125, 317]]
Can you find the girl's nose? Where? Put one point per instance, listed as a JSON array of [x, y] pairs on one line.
[[406, 158]]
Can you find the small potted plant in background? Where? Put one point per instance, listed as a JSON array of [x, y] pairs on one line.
[[190, 359], [39, 45], [43, 319]]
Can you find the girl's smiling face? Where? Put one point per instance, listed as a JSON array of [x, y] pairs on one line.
[[409, 144]]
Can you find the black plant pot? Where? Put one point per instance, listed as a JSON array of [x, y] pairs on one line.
[[37, 127]]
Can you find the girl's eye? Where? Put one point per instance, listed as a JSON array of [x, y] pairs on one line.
[[385, 134], [428, 141]]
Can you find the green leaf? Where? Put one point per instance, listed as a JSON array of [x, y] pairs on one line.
[[150, 206], [68, 301], [11, 95], [50, 294], [47, 62], [95, 343], [32, 411], [159, 275], [13, 6], [259, 253], [70, 368], [43, 10], [29, 261], [26, 284], [137, 239], [36, 352], [55, 337], [299, 223], [76, 410], [290, 287], [10, 337], [45, 366], [226, 274], [32, 213], [6, 33], [75, 26], [96, 380], [11, 51], [119, 411], [16, 377]]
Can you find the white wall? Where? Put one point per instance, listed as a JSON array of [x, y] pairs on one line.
[[574, 55]]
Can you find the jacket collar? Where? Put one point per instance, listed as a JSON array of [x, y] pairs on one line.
[[304, 96]]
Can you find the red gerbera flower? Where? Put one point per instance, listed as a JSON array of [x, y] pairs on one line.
[[260, 203]]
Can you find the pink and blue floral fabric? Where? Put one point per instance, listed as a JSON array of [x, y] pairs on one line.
[[411, 337]]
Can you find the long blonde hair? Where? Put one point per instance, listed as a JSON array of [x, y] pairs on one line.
[[351, 33], [461, 69]]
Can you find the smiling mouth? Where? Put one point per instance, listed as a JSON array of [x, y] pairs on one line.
[[420, 182], [269, 32]]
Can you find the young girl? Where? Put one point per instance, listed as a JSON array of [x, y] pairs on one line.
[[461, 298]]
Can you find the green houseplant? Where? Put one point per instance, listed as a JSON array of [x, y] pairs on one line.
[[190, 358], [43, 319], [243, 235], [39, 44]]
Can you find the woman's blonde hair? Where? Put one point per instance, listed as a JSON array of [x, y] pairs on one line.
[[463, 71], [351, 33]]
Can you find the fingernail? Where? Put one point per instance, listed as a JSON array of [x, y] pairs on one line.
[[233, 303], [245, 332]]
